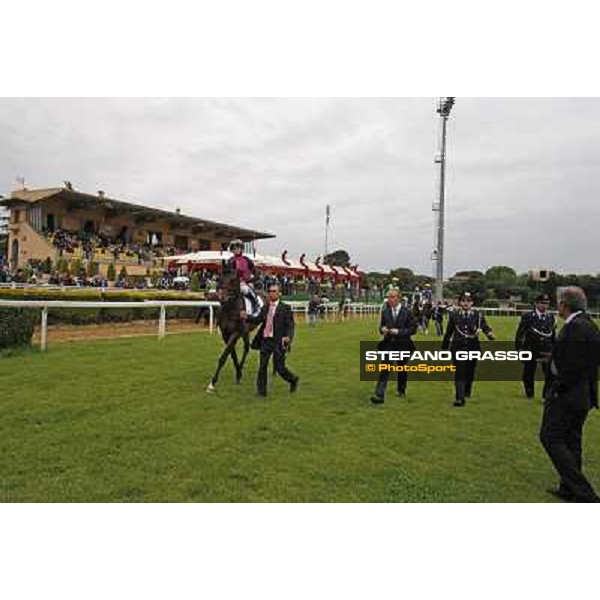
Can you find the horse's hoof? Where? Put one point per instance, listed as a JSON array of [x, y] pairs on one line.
[[211, 389]]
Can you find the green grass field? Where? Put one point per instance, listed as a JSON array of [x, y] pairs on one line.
[[128, 420]]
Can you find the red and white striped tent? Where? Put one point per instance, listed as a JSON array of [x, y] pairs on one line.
[[213, 259]]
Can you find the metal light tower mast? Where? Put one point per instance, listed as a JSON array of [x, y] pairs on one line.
[[327, 216], [444, 107]]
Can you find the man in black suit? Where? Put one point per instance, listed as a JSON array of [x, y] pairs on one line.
[[274, 337], [571, 391], [536, 333], [397, 326]]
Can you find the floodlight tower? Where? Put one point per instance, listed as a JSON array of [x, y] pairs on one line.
[[444, 107]]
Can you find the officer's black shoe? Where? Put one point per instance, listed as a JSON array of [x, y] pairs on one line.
[[402, 394], [459, 403], [261, 394], [294, 385], [561, 494], [377, 399]]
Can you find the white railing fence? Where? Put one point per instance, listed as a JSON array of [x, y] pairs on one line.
[[46, 305], [330, 311]]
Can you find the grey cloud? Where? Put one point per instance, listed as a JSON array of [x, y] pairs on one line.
[[522, 173]]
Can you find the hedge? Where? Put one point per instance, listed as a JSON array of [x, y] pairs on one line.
[[16, 326], [87, 316], [94, 295]]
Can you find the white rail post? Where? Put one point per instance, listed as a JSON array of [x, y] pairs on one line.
[[210, 319], [44, 330], [162, 322]]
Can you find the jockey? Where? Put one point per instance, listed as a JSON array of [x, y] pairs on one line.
[[245, 269]]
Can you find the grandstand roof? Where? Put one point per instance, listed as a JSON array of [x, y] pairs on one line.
[[76, 199]]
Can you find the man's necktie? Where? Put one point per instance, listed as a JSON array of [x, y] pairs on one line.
[[269, 324]]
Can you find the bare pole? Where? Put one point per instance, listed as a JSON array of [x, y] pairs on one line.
[[326, 231], [444, 107]]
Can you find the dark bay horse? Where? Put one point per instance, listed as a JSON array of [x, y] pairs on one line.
[[232, 327]]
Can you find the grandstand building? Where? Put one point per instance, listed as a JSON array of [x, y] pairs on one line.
[[62, 223], [4, 216]]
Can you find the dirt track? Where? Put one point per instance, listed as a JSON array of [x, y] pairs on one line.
[[73, 333]]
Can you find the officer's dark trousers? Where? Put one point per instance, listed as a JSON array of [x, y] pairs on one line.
[[439, 328], [529, 367], [384, 376], [463, 377], [269, 347], [560, 435]]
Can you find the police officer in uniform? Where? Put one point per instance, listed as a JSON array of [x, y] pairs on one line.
[[462, 333], [536, 333]]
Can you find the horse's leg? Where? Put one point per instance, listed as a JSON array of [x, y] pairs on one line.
[[246, 340], [236, 364], [222, 360]]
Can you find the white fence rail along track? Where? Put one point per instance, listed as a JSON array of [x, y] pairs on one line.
[[330, 311]]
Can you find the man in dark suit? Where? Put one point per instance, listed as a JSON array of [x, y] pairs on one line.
[[536, 333], [571, 391], [464, 325], [274, 337], [397, 325]]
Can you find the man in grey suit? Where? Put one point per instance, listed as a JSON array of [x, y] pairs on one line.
[[397, 326], [571, 391]]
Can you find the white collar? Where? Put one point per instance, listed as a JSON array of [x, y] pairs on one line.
[[572, 316]]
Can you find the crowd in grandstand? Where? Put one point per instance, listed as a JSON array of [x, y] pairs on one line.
[[88, 243]]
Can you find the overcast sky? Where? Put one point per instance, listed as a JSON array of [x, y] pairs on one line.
[[523, 176]]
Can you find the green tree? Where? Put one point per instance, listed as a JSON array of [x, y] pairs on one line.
[[471, 281], [338, 258], [76, 266], [195, 282], [501, 274], [93, 269], [123, 272], [111, 272], [62, 266], [47, 266], [406, 278]]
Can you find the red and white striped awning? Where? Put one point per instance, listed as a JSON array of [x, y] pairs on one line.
[[268, 264]]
